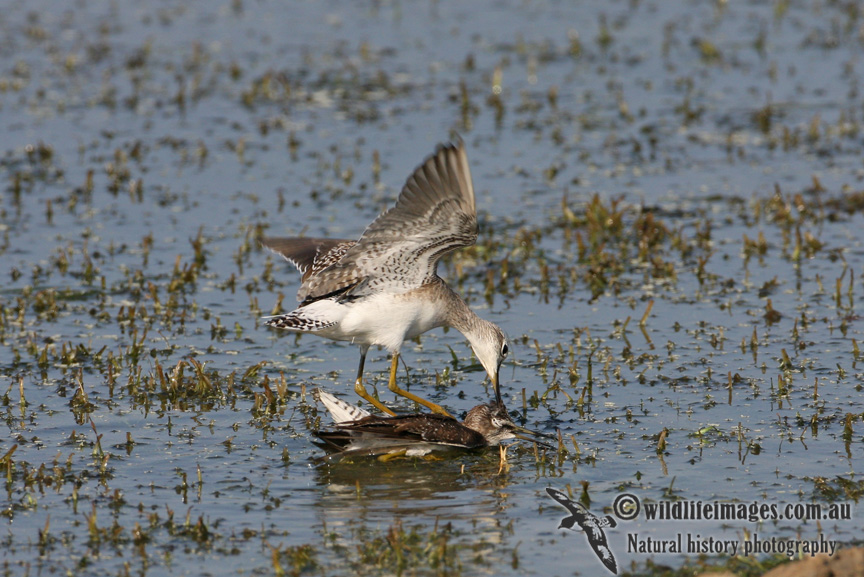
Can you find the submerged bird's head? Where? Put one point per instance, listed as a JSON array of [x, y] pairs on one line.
[[490, 345], [491, 421], [494, 423]]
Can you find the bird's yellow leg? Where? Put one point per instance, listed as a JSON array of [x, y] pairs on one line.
[[403, 393], [394, 455], [360, 389]]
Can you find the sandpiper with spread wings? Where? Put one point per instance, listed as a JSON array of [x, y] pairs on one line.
[[383, 288], [358, 432]]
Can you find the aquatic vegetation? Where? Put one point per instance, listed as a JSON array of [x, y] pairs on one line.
[[669, 207]]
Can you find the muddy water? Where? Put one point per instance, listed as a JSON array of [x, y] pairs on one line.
[[701, 157]]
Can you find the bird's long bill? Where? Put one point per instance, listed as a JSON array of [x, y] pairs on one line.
[[518, 432], [497, 389], [529, 435]]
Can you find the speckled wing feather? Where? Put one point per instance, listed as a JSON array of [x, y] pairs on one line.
[[434, 215], [431, 428], [341, 444], [309, 255], [339, 410]]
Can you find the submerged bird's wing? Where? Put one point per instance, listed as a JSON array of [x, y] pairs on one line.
[[442, 430], [371, 450], [428, 428], [341, 411], [435, 214], [334, 440]]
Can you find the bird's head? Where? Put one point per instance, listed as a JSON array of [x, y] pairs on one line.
[[495, 424], [491, 348]]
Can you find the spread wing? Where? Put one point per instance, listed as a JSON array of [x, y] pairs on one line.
[[597, 540], [574, 508], [309, 255], [435, 214]]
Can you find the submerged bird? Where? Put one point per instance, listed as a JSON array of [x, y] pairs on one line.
[[384, 289], [358, 432]]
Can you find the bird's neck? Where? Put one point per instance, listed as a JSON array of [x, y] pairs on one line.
[[459, 314]]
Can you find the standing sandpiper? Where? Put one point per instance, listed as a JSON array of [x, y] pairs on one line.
[[383, 288]]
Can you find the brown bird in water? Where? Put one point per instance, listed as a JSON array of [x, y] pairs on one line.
[[360, 433]]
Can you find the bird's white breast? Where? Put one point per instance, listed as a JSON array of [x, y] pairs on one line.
[[387, 320]]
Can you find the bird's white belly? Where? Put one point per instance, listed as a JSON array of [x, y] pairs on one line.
[[387, 321]]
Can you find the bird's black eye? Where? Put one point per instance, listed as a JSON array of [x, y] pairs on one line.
[[504, 350]]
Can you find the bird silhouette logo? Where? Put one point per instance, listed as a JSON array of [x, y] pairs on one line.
[[591, 524]]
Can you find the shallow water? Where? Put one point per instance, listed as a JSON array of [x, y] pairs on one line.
[[145, 147]]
